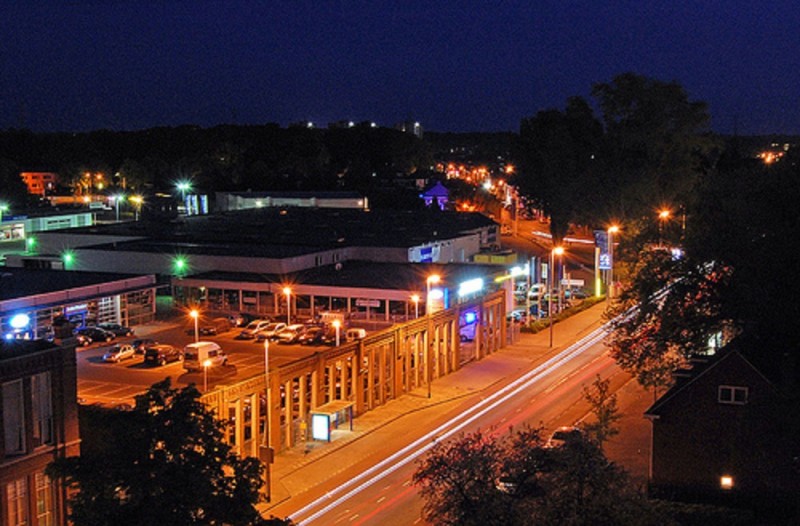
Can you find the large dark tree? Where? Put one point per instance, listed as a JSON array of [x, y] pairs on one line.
[[646, 150], [164, 462], [740, 241]]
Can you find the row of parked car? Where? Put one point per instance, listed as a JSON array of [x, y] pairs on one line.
[[102, 332], [264, 329], [195, 356]]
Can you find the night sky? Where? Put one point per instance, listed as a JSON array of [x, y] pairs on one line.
[[68, 65]]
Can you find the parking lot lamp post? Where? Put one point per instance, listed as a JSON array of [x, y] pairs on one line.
[[288, 292], [195, 314], [137, 201], [415, 299], [432, 280], [557, 251], [613, 229], [336, 325], [206, 365]]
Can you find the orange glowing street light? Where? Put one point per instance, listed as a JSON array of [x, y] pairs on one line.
[[432, 280]]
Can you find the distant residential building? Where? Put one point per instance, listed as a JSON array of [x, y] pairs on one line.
[[38, 399], [40, 183], [717, 434]]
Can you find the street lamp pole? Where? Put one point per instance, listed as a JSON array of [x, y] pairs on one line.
[[336, 325], [415, 299], [613, 229], [288, 292], [267, 439], [662, 217], [206, 365], [195, 314], [432, 279]]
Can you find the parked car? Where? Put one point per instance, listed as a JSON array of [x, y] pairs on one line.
[[329, 337], [563, 435], [270, 331], [291, 333], [354, 334], [312, 336], [252, 328], [89, 335], [199, 355], [119, 352], [141, 344], [161, 354], [215, 326], [116, 328], [243, 318]]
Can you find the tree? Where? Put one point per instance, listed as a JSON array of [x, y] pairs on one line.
[[648, 148], [514, 479], [164, 462]]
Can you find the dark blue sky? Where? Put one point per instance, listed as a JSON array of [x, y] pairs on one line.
[[68, 65]]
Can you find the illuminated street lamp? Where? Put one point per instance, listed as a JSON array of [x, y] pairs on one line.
[[613, 229], [195, 314], [415, 299], [663, 217], [336, 325], [183, 187], [288, 292], [557, 251], [137, 201], [432, 280], [206, 365]]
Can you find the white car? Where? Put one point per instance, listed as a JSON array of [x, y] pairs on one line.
[[291, 333], [270, 332], [119, 352], [252, 329]]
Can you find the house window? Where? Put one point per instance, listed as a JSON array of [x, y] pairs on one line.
[[42, 406], [45, 512], [728, 394], [16, 505], [317, 261], [13, 418]]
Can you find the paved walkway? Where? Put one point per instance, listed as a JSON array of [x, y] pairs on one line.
[[310, 463]]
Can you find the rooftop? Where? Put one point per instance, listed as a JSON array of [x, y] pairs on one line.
[[305, 228], [23, 282]]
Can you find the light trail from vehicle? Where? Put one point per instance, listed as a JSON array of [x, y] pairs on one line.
[[411, 452]]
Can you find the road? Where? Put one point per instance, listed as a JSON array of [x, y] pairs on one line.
[[551, 395]]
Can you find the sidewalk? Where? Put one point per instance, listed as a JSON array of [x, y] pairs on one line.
[[312, 463]]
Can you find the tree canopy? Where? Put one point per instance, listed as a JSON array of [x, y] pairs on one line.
[[164, 462], [648, 147]]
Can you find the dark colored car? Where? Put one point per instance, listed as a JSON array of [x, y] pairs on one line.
[[161, 354], [142, 344], [215, 326], [116, 328], [88, 335], [312, 336]]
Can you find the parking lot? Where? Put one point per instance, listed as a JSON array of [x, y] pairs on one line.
[[116, 384]]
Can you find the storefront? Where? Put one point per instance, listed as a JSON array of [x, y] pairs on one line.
[[32, 301]]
